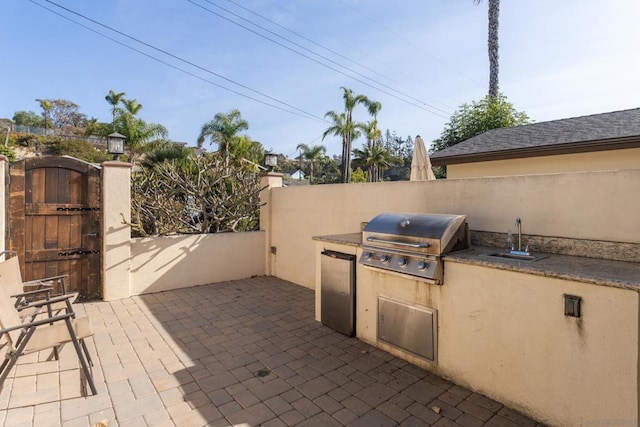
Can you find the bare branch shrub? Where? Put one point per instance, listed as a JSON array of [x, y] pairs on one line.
[[194, 195]]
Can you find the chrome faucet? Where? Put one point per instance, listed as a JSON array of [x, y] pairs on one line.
[[519, 251]]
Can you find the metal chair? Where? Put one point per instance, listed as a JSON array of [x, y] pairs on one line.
[[22, 292], [20, 337]]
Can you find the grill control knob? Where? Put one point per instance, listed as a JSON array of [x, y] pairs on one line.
[[402, 262], [367, 255], [384, 258], [422, 265]]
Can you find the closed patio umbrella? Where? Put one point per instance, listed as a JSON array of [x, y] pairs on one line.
[[420, 163]]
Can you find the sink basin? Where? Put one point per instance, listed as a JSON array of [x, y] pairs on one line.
[[516, 257]]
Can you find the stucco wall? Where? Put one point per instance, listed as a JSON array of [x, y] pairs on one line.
[[4, 175], [505, 335], [588, 205], [602, 160], [171, 262], [116, 213]]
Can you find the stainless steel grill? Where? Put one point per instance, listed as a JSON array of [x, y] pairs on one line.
[[413, 244]]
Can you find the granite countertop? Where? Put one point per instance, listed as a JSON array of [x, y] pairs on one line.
[[601, 272], [349, 239]]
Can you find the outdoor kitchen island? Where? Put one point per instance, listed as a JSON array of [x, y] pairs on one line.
[[556, 338]]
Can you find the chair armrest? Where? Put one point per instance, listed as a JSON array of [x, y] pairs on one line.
[[29, 293], [40, 303], [48, 320], [52, 278], [45, 279], [22, 300], [36, 284]]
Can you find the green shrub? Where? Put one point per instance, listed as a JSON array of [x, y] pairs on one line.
[[358, 175], [8, 151], [26, 139], [76, 148]]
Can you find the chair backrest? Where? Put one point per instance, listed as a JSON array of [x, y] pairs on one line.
[[9, 316], [10, 276]]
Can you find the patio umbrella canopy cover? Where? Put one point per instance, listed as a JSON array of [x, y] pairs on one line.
[[420, 163]]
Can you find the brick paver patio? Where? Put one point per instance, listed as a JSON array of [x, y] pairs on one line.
[[242, 353]]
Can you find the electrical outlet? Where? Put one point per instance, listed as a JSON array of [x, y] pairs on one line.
[[572, 305]]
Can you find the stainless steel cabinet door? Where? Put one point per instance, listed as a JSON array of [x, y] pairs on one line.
[[338, 291]]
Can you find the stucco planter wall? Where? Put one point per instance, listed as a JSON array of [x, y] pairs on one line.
[[171, 262]]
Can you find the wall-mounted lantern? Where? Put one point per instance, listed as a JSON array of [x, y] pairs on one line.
[[270, 160], [115, 144]]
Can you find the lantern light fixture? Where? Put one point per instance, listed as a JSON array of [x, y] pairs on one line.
[[115, 144], [271, 160]]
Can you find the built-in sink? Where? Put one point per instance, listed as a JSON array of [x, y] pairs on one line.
[[516, 257]]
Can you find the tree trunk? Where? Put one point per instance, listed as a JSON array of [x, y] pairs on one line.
[[347, 154], [345, 145], [300, 160], [494, 12], [347, 163]]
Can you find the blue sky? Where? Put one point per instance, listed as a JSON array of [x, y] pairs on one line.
[[558, 59]]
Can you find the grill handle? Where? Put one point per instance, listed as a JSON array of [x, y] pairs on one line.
[[411, 245]]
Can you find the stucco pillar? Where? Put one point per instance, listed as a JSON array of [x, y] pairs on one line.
[[4, 199], [270, 180], [116, 215]]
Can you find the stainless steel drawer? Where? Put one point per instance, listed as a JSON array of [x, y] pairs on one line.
[[409, 327]]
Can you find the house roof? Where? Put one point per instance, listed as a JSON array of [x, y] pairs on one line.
[[597, 132]]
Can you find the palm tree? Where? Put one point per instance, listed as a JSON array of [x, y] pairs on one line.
[[350, 103], [376, 159], [223, 130], [300, 155], [166, 151], [46, 106], [349, 132], [312, 155], [132, 106], [141, 135], [371, 149], [138, 132], [374, 108], [371, 131], [492, 43], [114, 99], [244, 148]]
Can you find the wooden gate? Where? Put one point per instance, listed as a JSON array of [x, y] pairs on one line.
[[55, 221]]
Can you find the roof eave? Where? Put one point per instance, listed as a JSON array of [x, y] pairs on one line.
[[546, 150]]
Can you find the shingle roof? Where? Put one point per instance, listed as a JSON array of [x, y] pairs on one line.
[[564, 134]]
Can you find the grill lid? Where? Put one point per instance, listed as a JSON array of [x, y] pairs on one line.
[[412, 244], [434, 234]]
